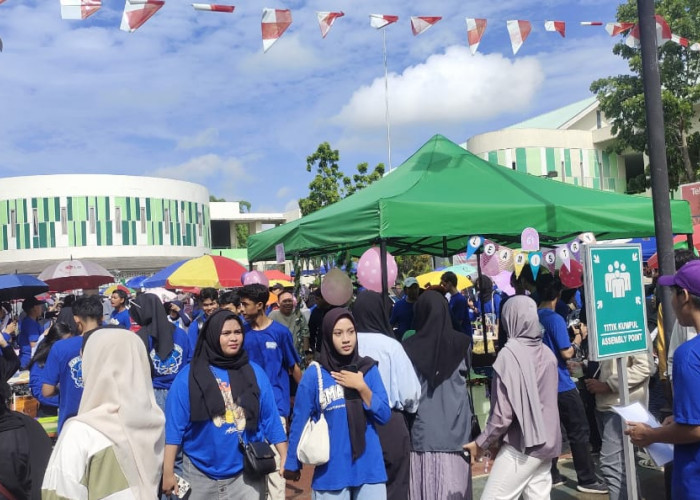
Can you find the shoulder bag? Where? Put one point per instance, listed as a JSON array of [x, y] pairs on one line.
[[314, 444]]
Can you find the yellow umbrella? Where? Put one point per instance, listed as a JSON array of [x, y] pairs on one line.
[[284, 283], [433, 278]]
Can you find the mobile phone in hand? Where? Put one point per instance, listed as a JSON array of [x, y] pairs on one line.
[[183, 488]]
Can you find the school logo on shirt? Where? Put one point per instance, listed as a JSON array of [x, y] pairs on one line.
[[76, 371], [271, 345], [333, 393], [170, 365], [234, 414]]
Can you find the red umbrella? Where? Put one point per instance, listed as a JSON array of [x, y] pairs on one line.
[[75, 274], [679, 241], [274, 274]]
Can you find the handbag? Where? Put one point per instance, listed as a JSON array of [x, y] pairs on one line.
[[259, 457], [475, 426], [314, 444]]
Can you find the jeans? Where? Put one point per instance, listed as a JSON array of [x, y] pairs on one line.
[[612, 458], [238, 487], [364, 492], [161, 395], [514, 474]]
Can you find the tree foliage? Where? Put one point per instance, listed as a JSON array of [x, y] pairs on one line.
[[622, 97], [330, 184]]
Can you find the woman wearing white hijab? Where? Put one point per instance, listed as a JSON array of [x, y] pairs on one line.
[[114, 447], [524, 416]]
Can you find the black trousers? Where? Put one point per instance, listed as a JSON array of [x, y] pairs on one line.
[[396, 448], [573, 418]]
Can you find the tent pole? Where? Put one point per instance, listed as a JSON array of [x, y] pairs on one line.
[[385, 277], [481, 303], [690, 242]]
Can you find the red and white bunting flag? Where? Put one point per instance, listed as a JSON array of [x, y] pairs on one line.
[[138, 12], [419, 24], [679, 40], [78, 9], [591, 23], [213, 7], [475, 31], [379, 21], [274, 23], [615, 29], [558, 26], [663, 34], [326, 20], [695, 47], [518, 31]]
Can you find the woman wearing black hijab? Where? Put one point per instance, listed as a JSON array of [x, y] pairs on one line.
[[217, 400], [375, 339], [354, 402], [439, 354]]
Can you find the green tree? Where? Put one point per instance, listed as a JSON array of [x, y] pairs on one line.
[[622, 97], [330, 184], [242, 230], [413, 265]]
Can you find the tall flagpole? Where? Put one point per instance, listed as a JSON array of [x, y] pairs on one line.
[[386, 101]]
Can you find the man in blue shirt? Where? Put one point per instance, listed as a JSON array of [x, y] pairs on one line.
[[402, 312], [63, 371], [270, 345], [209, 302], [571, 411], [683, 428], [29, 329], [458, 304]]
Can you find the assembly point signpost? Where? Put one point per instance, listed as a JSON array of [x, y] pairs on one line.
[[614, 300]]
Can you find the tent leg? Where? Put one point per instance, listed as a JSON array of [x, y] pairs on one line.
[[382, 258], [690, 242], [481, 305]]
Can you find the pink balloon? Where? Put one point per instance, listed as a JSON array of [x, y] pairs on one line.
[[369, 270], [336, 287], [254, 277]]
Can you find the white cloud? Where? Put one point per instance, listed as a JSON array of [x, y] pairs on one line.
[[203, 167], [454, 87], [208, 137], [291, 205], [283, 192]]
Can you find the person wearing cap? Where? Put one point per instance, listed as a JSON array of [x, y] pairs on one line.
[[29, 329], [402, 314], [682, 429]]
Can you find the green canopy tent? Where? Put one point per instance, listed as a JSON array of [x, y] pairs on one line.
[[443, 194]]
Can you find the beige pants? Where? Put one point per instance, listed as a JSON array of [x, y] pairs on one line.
[[275, 482]]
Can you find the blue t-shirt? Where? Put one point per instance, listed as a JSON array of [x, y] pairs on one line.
[[686, 410], [556, 337], [193, 331], [212, 445], [122, 319], [340, 471], [402, 317], [29, 331], [460, 313], [64, 368], [36, 380], [273, 349], [492, 307], [164, 371]]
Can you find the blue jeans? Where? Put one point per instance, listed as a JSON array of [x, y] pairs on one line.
[[364, 492], [161, 395]]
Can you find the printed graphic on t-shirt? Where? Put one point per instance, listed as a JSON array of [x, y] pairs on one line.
[[332, 394], [170, 365], [76, 371], [234, 413]]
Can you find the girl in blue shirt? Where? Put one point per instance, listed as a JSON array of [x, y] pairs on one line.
[[120, 314], [355, 401], [48, 407]]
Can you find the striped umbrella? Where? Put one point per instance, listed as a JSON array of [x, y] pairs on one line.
[[207, 271]]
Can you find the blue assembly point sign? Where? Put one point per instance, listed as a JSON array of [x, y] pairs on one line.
[[615, 303]]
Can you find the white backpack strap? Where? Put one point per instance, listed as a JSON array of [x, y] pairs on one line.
[[321, 399]]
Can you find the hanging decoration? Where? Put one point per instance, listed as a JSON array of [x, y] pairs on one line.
[[379, 21], [663, 34], [475, 31], [326, 20], [136, 13], [213, 7], [505, 259], [550, 260], [564, 256], [274, 23], [473, 245], [535, 259], [79, 9], [591, 23], [530, 239], [615, 29], [421, 24], [518, 31], [557, 26], [489, 259], [519, 261]]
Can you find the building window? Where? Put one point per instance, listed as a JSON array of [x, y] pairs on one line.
[[35, 221], [199, 223], [93, 223], [13, 222], [599, 119], [143, 219], [182, 223], [64, 220], [167, 221], [118, 219]]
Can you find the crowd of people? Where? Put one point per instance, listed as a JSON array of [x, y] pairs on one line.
[[158, 399]]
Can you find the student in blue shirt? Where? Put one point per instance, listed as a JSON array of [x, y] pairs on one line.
[[120, 313], [402, 312], [459, 310], [216, 401], [63, 373], [48, 407], [209, 302], [355, 402], [167, 345], [29, 329]]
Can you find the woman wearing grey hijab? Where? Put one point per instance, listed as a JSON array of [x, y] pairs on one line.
[[524, 418]]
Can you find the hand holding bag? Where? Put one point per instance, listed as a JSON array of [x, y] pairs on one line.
[[314, 445]]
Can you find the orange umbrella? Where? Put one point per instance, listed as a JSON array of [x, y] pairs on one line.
[[207, 271]]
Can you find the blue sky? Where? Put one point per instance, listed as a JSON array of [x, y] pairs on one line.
[[191, 95]]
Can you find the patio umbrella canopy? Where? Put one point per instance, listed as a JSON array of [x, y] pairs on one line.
[[433, 278], [159, 279], [20, 286], [444, 194], [207, 271], [75, 274], [275, 275]]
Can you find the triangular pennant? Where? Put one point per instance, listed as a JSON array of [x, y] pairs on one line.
[[326, 20], [564, 256], [695, 47], [530, 239], [379, 21], [575, 248], [519, 261], [505, 259], [587, 238], [591, 23], [420, 24], [489, 259], [615, 29], [79, 9], [213, 7], [679, 40], [473, 245], [558, 26], [475, 31], [518, 31], [535, 259], [274, 23], [137, 13], [549, 257], [663, 34]]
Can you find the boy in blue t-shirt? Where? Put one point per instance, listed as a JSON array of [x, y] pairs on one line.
[[63, 374], [29, 329], [209, 302]]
